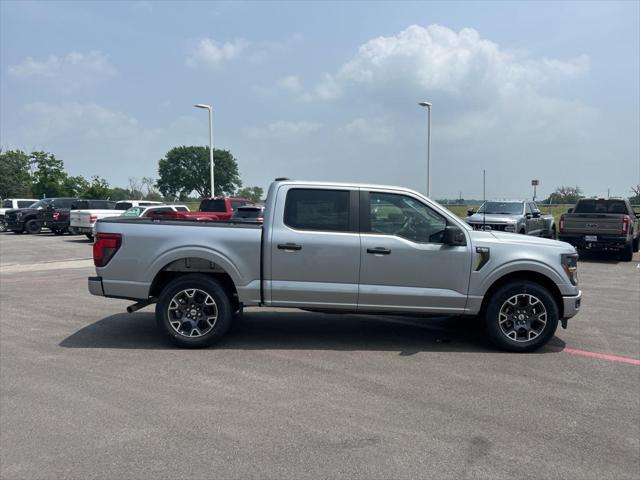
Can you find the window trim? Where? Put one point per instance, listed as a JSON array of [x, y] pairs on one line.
[[365, 217], [353, 207]]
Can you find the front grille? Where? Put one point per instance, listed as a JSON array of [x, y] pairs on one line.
[[489, 226]]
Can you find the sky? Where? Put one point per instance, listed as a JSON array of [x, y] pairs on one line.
[[330, 90]]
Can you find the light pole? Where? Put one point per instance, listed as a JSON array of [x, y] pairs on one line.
[[428, 106], [208, 107]]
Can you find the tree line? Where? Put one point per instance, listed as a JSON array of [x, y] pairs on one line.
[[182, 172]]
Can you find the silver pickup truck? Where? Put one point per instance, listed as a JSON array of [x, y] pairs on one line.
[[512, 216], [337, 248]]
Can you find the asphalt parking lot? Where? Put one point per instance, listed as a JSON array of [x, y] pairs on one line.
[[88, 391]]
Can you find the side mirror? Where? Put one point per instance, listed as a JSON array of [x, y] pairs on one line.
[[637, 214], [570, 210], [528, 215], [470, 212], [536, 214], [453, 236]]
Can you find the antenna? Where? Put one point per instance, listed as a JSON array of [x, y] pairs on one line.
[[484, 198]]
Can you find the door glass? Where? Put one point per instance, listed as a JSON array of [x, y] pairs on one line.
[[317, 209], [529, 210], [405, 217]]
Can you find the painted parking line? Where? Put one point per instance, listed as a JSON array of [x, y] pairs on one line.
[[601, 356]]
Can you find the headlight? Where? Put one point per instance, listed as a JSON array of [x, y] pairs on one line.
[[570, 265]]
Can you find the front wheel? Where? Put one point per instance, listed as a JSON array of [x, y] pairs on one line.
[[636, 244], [627, 253], [33, 227], [521, 316], [3, 226], [194, 311]]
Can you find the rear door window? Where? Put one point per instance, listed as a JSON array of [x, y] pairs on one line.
[[123, 206], [218, 205], [21, 203], [600, 206], [317, 209]]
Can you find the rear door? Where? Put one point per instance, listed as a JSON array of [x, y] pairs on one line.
[[404, 265], [315, 248]]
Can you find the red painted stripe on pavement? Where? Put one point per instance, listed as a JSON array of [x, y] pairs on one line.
[[602, 356]]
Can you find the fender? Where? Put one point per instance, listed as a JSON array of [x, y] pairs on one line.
[[515, 266]]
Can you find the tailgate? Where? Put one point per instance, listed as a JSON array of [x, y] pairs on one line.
[[593, 223]]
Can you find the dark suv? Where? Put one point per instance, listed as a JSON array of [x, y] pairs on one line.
[[57, 219], [31, 219]]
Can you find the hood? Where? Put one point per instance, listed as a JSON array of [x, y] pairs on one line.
[[531, 241], [492, 218]]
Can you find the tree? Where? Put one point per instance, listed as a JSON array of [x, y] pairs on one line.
[[98, 189], [635, 199], [74, 186], [15, 179], [118, 193], [564, 194], [135, 189], [253, 193], [49, 176], [186, 169]]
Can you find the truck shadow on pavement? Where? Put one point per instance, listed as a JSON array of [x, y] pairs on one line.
[[298, 330]]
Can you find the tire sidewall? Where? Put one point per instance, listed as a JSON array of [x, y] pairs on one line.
[[497, 300], [32, 226], [217, 292]]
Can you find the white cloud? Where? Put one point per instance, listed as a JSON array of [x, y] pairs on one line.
[[209, 52], [437, 59], [282, 129], [370, 130], [290, 82], [94, 63]]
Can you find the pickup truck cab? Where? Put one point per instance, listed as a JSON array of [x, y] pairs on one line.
[[336, 247], [31, 219], [603, 225], [58, 220], [512, 216], [84, 220], [10, 204], [222, 207]]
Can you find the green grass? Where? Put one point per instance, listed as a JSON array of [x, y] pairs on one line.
[[555, 210]]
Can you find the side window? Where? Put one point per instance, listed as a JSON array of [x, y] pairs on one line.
[[528, 208], [405, 217], [181, 209], [21, 203], [317, 209]]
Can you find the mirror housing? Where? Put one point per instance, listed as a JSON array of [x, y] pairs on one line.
[[536, 214], [454, 236], [470, 212], [528, 216]]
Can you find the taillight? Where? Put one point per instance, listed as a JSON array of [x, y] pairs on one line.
[[55, 215], [105, 247], [625, 225], [561, 223], [93, 219]]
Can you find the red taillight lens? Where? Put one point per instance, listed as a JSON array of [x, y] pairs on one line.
[[93, 219], [55, 215], [561, 223], [105, 247], [625, 225]]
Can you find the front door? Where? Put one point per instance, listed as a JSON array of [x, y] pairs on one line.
[[315, 251], [404, 264]]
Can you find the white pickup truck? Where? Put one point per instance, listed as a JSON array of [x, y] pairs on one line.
[[83, 221], [340, 248]]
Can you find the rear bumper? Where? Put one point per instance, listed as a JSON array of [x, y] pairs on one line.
[[95, 286], [604, 242], [57, 225], [571, 305]]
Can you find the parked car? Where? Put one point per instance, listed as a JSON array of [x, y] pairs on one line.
[[602, 224], [11, 204], [153, 210], [334, 247], [31, 219], [83, 221], [58, 220], [223, 207], [512, 216], [249, 213]]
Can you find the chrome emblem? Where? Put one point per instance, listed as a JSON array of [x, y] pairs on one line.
[[592, 225]]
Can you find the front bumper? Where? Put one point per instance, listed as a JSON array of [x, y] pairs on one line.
[[95, 286], [571, 305], [14, 224], [57, 224]]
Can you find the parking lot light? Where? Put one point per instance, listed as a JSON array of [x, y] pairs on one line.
[[210, 109], [427, 105]]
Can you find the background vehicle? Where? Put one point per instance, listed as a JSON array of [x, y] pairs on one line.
[[13, 203], [602, 224], [249, 213], [58, 220], [512, 216], [223, 207], [31, 219], [341, 248], [150, 211], [83, 221]]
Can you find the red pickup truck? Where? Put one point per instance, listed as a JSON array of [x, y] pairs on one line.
[[211, 209]]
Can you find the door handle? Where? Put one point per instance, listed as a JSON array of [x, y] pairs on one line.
[[379, 251], [289, 246]]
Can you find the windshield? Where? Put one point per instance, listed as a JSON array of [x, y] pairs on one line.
[[213, 205], [506, 208], [41, 203], [601, 206], [133, 212]]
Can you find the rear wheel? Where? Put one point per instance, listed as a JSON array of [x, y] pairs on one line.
[[636, 244], [3, 226], [194, 311], [521, 316], [627, 254], [554, 234], [33, 226], [18, 232], [58, 232], [89, 236]]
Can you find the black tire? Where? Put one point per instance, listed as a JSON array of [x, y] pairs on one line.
[[554, 234], [89, 236], [33, 226], [201, 283], [636, 244], [522, 232], [626, 255], [58, 232], [18, 232], [499, 300], [3, 226]]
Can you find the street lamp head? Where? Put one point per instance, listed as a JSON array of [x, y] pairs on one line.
[[202, 105], [425, 104]]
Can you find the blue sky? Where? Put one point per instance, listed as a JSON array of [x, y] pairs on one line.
[[329, 90]]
